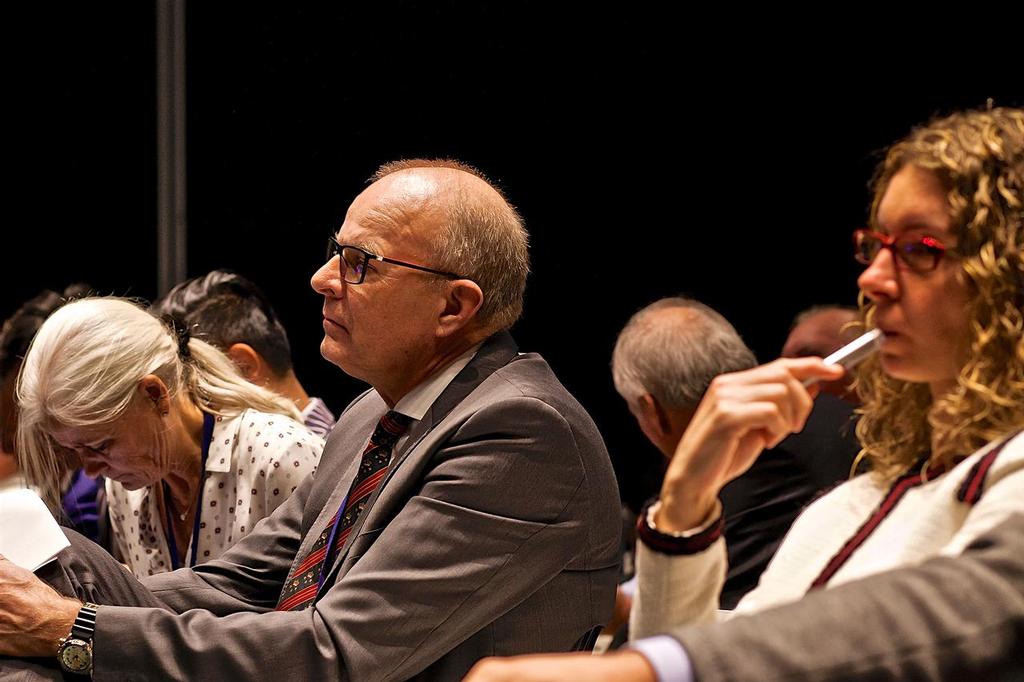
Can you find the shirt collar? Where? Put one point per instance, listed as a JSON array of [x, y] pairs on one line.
[[416, 402], [221, 462]]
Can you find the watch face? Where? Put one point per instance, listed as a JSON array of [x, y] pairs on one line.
[[75, 656]]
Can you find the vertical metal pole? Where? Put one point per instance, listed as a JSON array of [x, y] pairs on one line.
[[170, 104]]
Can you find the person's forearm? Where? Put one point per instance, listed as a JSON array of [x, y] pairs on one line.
[[33, 616], [625, 666], [53, 627]]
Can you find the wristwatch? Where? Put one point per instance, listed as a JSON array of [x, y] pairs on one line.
[[75, 651]]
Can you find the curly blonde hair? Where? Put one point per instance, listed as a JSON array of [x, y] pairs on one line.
[[978, 156]]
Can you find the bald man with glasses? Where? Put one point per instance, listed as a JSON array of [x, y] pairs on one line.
[[464, 506]]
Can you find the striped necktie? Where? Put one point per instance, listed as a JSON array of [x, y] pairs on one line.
[[301, 589]]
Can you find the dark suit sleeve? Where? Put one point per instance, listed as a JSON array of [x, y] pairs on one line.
[[246, 577], [950, 618], [497, 516]]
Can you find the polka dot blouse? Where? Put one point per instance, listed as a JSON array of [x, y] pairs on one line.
[[256, 460]]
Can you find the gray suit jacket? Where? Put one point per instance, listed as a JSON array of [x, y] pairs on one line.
[[494, 532], [950, 618]]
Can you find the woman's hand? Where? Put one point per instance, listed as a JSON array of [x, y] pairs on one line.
[[740, 415], [626, 666]]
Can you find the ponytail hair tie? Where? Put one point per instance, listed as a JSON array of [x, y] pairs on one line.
[[180, 332]]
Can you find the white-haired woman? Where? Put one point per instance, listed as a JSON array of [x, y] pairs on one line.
[[193, 454]]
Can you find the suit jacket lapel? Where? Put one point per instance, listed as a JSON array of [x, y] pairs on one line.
[[496, 352]]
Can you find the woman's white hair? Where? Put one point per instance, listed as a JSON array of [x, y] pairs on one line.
[[84, 366]]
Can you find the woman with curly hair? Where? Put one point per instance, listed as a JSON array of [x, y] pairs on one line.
[[194, 455], [943, 397], [941, 428]]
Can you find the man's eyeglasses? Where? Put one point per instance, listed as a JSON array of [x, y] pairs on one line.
[[354, 261], [921, 254]]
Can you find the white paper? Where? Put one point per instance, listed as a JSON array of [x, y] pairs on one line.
[[29, 536]]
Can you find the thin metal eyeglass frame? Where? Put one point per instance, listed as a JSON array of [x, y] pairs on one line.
[[334, 248]]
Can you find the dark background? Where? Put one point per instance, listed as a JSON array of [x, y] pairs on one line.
[[650, 153]]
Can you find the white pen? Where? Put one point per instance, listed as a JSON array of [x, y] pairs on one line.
[[850, 355]]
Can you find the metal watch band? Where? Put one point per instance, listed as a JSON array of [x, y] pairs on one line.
[[85, 623]]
